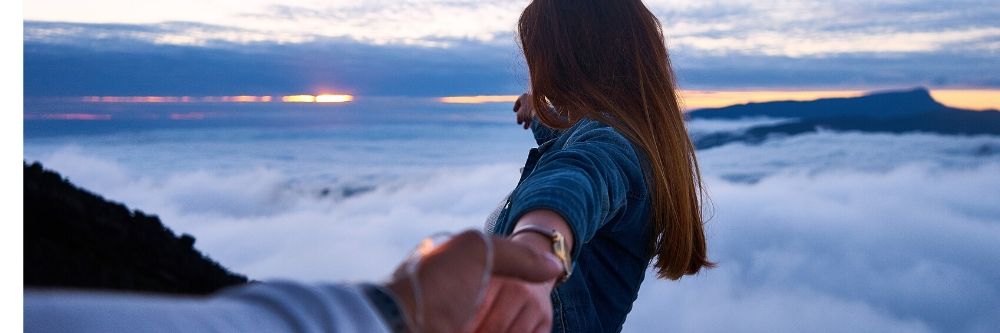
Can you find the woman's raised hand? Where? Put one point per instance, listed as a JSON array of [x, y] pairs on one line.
[[525, 109]]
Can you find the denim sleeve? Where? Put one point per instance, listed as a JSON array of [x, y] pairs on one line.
[[586, 183]]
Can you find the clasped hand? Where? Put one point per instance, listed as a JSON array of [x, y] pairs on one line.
[[450, 298]]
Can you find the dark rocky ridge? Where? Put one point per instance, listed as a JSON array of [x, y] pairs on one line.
[[75, 239], [886, 112]]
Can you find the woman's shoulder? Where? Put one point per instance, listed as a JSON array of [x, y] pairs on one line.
[[604, 140], [588, 130]]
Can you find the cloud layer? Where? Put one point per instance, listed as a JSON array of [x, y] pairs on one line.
[[907, 250], [835, 232]]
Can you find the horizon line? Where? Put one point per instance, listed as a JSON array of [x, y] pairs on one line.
[[975, 99]]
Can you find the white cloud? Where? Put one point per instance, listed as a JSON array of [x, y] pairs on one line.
[[827, 150], [255, 222], [812, 43], [839, 232], [907, 250], [708, 126]]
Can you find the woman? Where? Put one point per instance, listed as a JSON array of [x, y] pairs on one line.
[[614, 174]]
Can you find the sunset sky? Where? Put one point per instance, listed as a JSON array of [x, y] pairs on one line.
[[458, 48], [320, 140]]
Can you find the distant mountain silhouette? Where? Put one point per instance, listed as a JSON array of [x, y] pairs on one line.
[[887, 112], [75, 239]]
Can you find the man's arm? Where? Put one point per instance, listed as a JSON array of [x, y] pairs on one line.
[[449, 279], [262, 307]]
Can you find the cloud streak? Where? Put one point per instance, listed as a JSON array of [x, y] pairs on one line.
[[804, 28], [828, 28], [64, 59], [108, 60]]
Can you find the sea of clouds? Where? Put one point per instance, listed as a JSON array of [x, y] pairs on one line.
[[825, 232]]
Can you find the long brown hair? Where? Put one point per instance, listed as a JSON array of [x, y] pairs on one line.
[[606, 60]]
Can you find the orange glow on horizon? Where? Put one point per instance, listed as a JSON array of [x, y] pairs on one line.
[[479, 99], [136, 99], [322, 98], [334, 98], [187, 116], [973, 99], [176, 99], [325, 98], [70, 116], [700, 99], [237, 99], [298, 99]]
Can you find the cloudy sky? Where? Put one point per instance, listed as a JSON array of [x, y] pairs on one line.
[[439, 48], [843, 232]]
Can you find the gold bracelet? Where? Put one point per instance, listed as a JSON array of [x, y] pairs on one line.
[[558, 246]]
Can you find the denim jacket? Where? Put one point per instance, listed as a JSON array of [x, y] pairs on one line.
[[591, 175]]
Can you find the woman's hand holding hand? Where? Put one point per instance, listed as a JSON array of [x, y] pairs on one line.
[[521, 306], [515, 306], [525, 109], [450, 277]]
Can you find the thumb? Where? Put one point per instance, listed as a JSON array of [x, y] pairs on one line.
[[518, 261]]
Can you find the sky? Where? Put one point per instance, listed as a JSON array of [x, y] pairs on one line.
[[448, 48], [836, 231]]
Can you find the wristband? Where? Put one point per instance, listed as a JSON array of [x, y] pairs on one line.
[[387, 306], [558, 246]]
